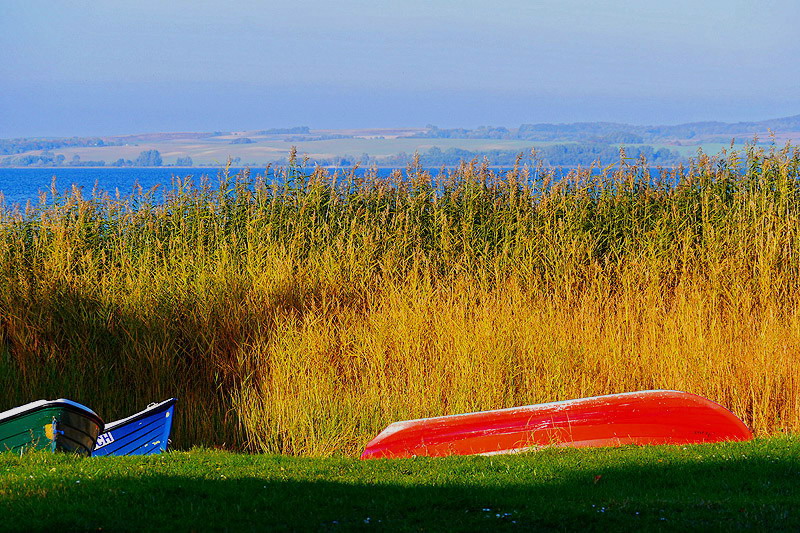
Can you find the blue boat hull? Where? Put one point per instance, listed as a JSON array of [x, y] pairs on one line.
[[144, 433]]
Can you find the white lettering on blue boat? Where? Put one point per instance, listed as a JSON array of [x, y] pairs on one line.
[[102, 440]]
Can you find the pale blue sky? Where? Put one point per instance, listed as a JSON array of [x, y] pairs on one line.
[[105, 67]]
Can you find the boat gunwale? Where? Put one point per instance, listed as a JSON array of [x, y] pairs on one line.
[[559, 402], [61, 403], [163, 406]]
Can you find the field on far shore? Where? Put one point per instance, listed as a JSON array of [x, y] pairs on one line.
[[215, 153], [730, 487], [214, 150]]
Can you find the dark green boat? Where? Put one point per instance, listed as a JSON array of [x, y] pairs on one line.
[[61, 425]]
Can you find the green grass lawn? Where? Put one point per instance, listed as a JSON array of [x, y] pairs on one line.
[[751, 485]]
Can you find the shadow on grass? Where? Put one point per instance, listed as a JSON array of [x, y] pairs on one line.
[[527, 492]]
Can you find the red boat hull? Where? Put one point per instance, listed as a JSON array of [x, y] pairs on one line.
[[646, 417]]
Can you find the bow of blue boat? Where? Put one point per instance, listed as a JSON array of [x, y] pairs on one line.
[[144, 433]]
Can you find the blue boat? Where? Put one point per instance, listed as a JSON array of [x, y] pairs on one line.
[[144, 433]]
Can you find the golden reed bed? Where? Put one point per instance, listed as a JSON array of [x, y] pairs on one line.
[[300, 311]]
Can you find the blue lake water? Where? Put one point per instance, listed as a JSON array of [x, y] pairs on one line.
[[20, 185]]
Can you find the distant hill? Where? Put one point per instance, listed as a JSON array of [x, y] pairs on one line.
[[618, 133], [578, 143]]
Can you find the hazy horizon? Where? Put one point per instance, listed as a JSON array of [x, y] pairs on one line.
[[91, 68]]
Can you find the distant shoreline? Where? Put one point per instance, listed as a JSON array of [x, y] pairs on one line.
[[327, 167], [203, 167]]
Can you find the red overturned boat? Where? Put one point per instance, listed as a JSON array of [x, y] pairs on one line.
[[645, 417]]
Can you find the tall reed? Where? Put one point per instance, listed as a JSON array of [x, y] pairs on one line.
[[301, 310]]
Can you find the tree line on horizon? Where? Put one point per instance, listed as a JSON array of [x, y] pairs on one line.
[[559, 155], [146, 158], [562, 155], [579, 144], [612, 132]]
